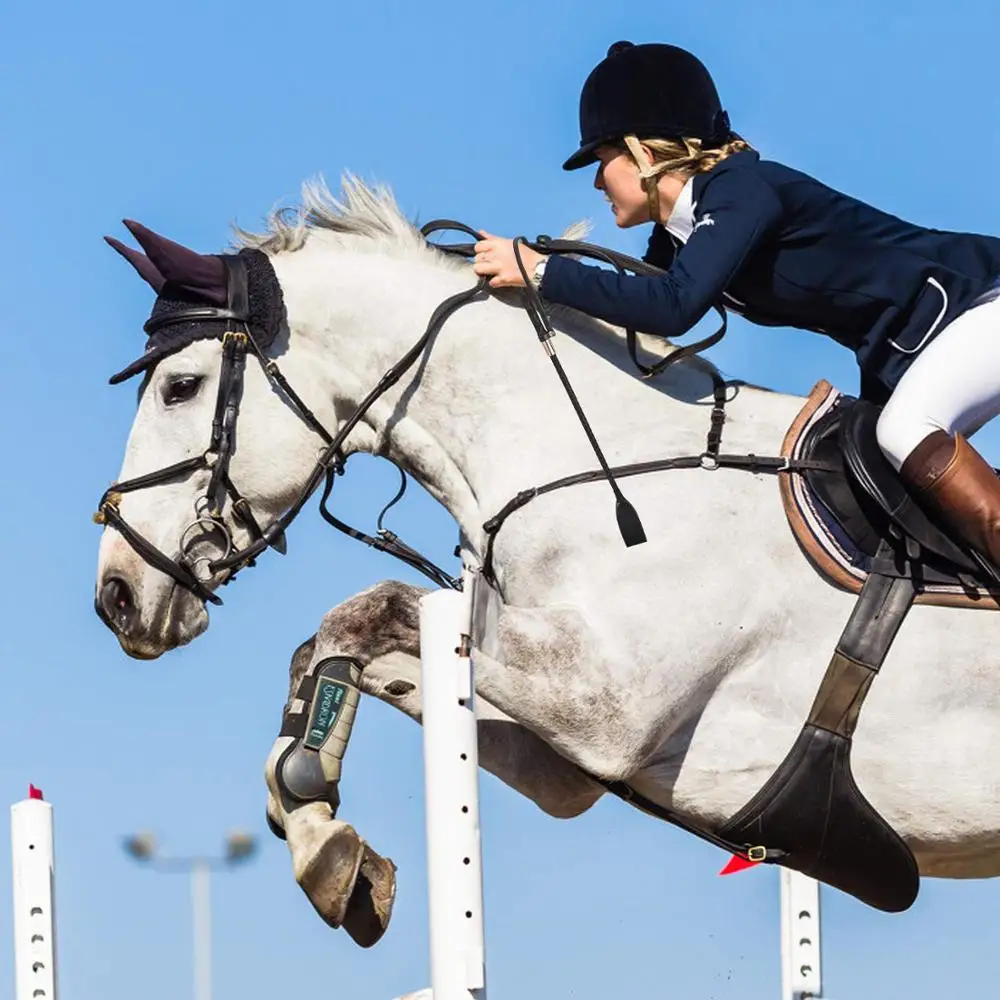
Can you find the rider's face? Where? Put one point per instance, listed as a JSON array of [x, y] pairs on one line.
[[618, 177]]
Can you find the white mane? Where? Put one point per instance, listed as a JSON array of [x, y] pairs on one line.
[[372, 213], [367, 211]]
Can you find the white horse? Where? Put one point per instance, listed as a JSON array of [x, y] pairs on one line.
[[685, 666]]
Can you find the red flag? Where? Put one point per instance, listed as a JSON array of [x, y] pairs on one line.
[[34, 793], [737, 863]]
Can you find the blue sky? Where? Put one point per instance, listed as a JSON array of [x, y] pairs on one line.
[[192, 116]]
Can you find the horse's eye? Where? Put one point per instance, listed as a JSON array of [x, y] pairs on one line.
[[181, 389]]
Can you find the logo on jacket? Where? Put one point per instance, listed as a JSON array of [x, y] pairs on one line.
[[706, 220]]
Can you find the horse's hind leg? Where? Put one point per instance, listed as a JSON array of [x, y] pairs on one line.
[[346, 881]]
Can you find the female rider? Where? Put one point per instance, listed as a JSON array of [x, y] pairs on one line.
[[919, 307]]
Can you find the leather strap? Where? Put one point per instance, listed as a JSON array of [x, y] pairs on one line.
[[157, 559], [196, 314], [709, 460], [875, 619]]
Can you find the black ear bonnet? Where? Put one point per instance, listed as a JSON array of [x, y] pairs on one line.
[[182, 314]]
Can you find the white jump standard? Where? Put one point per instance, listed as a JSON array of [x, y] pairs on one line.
[[451, 779], [801, 973], [34, 898]]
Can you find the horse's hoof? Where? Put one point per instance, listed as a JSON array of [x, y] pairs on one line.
[[370, 906], [348, 884], [326, 859]]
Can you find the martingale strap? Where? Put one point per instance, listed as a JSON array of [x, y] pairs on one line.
[[710, 459], [384, 540]]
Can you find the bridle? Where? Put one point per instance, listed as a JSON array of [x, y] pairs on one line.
[[195, 574]]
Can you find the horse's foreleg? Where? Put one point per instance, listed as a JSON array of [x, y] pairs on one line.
[[347, 882]]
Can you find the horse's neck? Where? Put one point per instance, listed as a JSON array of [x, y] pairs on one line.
[[352, 316], [482, 415]]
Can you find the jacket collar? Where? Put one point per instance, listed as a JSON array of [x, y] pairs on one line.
[[680, 223]]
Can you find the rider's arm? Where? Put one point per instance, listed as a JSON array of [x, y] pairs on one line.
[[736, 211]]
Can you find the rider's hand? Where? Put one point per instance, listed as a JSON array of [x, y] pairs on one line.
[[495, 259]]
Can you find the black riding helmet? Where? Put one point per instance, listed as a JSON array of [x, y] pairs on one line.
[[651, 91]]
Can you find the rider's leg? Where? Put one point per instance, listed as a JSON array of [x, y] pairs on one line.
[[948, 393]]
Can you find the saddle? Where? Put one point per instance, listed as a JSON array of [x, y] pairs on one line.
[[864, 531], [855, 516]]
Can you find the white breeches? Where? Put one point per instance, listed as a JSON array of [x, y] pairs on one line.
[[953, 385]]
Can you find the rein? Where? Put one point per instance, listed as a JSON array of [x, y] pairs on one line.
[[196, 574]]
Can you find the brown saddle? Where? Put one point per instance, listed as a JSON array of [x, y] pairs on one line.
[[841, 518]]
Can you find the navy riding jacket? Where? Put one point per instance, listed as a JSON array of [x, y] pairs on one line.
[[782, 249]]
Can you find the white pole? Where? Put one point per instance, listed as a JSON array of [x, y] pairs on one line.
[[34, 899], [801, 975], [202, 928], [451, 780]]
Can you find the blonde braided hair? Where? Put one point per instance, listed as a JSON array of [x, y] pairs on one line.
[[683, 156]]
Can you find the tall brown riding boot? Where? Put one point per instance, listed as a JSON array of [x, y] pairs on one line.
[[953, 481]]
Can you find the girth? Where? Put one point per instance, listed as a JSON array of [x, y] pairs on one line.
[[811, 809]]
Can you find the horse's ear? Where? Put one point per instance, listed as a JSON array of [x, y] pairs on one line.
[[202, 274], [146, 268]]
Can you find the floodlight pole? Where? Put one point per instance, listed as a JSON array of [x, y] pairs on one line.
[[201, 925], [239, 847]]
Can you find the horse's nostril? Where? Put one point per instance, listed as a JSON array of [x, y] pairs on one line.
[[117, 606]]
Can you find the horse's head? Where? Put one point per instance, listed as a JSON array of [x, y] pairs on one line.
[[199, 492]]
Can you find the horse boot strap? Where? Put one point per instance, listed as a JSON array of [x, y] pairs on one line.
[[956, 483], [310, 766]]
